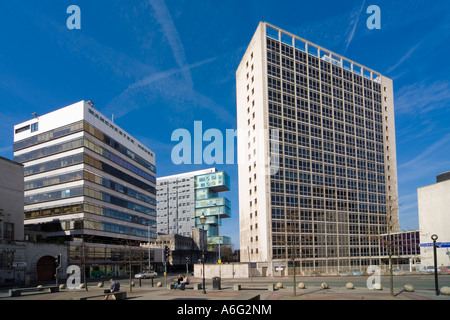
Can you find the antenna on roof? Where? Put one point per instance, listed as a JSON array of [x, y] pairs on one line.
[[34, 114]]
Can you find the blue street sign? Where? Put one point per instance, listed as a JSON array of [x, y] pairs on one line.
[[438, 244], [426, 245], [444, 244]]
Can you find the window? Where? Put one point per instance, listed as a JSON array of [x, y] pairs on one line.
[[277, 186], [274, 83], [273, 70], [34, 127], [23, 129], [8, 231]]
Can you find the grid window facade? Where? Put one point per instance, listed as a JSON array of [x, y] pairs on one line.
[[80, 180], [332, 180]]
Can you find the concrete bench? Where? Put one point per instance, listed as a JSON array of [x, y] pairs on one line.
[[170, 286], [197, 286], [240, 286], [18, 292], [114, 295], [118, 295]]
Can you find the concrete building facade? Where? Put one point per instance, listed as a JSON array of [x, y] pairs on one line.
[[403, 248], [184, 250], [317, 156], [11, 200], [21, 261], [434, 219], [13, 261]]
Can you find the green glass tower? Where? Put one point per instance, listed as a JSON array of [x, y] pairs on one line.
[[209, 203]]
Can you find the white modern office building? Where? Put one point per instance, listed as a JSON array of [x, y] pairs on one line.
[[327, 125], [434, 219], [183, 198], [176, 202], [88, 183]]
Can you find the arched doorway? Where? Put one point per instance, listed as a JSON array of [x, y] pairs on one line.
[[46, 268]]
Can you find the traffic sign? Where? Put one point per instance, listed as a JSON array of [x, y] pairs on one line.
[[426, 245], [444, 244], [438, 245]]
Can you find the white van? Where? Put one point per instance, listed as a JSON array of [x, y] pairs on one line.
[[426, 269]]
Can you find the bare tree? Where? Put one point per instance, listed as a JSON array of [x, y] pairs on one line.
[[132, 254], [292, 243], [392, 224]]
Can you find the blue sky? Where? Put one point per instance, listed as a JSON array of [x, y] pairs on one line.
[[158, 66]]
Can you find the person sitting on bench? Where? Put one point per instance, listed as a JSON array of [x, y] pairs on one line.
[[184, 283], [114, 287], [179, 281]]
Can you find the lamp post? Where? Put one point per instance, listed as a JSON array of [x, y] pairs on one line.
[[83, 261], [203, 221], [148, 235], [219, 260], [218, 230], [434, 237]]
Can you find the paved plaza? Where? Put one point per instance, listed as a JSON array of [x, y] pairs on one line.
[[254, 299], [254, 289]]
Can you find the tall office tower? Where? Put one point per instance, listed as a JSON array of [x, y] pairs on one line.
[[183, 198], [86, 179], [327, 124]]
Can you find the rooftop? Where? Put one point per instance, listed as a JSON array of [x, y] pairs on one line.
[[320, 52]]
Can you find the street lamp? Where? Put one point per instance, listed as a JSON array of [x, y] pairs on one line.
[[434, 237], [203, 221], [218, 231], [148, 235]]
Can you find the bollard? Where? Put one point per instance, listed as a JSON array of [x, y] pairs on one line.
[[408, 288], [445, 290]]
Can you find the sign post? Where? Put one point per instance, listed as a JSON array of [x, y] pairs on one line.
[[434, 237]]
